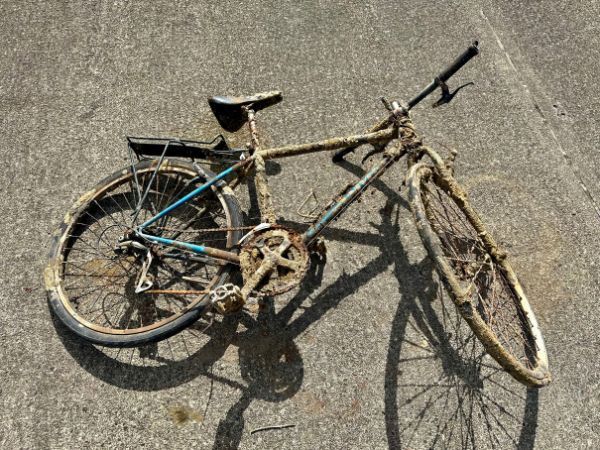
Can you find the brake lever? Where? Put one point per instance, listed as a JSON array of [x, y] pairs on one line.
[[447, 96]]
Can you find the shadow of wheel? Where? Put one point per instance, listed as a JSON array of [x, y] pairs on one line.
[[155, 366], [443, 390]]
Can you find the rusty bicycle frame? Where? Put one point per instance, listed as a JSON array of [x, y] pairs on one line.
[[257, 162], [262, 252], [397, 128]]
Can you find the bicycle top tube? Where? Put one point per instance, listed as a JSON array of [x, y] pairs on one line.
[[330, 144]]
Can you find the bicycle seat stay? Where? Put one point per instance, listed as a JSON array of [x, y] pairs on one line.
[[229, 110]]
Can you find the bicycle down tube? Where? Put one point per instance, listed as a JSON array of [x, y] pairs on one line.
[[347, 198]]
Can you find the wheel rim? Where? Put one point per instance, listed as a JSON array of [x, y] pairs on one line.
[[98, 289], [493, 298]]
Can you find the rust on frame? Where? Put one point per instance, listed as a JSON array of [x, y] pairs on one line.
[[330, 144]]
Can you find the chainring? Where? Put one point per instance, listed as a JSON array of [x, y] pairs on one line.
[[293, 264]]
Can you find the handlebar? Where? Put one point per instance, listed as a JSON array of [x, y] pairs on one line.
[[465, 57]]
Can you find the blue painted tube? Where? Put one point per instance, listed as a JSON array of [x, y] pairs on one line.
[[192, 247], [339, 206], [216, 253], [189, 196]]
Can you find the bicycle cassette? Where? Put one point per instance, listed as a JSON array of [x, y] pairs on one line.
[[291, 264]]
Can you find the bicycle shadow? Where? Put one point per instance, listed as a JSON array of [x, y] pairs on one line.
[[272, 369], [441, 388], [269, 361]]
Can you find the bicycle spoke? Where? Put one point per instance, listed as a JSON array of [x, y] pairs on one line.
[[491, 293], [100, 282]]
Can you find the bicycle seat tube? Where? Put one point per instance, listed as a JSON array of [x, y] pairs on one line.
[[265, 200]]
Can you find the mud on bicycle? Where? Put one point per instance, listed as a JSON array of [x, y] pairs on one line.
[[156, 245]]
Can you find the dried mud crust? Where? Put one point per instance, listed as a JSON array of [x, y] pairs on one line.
[[58, 299], [290, 267], [477, 274]]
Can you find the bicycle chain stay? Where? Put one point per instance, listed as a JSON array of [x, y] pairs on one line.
[[210, 230]]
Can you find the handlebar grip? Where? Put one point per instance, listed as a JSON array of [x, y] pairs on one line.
[[466, 56]]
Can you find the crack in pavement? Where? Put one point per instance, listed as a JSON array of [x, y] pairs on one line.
[[566, 157]]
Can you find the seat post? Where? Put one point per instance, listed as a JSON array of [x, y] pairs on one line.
[[265, 201], [254, 144]]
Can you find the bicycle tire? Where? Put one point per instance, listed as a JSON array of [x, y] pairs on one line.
[[96, 205], [477, 275]]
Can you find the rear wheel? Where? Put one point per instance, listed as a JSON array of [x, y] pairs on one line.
[[94, 287], [477, 275]]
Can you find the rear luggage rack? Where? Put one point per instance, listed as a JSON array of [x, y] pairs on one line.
[[215, 150]]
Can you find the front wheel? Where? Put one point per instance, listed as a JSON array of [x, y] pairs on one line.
[[93, 285], [476, 274]]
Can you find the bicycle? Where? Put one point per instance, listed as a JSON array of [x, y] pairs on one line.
[[156, 245]]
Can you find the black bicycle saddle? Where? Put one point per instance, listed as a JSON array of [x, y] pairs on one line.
[[228, 110]]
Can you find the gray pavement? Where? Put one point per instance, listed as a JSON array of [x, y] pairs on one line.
[[355, 359]]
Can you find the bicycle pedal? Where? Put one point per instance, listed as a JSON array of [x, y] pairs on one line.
[[227, 298]]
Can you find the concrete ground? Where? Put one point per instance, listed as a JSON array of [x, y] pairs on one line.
[[351, 360]]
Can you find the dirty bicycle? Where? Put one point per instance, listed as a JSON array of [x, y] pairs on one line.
[[154, 247]]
